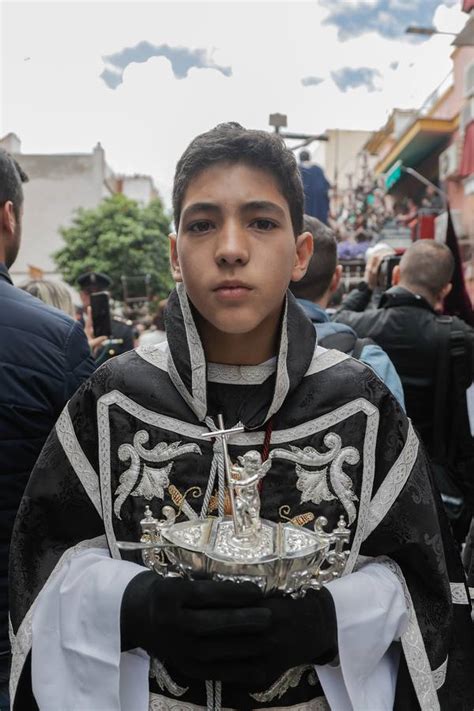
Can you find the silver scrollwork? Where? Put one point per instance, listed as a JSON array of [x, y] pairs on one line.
[[153, 481], [314, 485]]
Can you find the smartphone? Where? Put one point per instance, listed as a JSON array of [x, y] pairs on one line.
[[100, 309]]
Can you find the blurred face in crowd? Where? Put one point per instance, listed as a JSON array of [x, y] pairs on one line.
[[236, 254], [85, 298]]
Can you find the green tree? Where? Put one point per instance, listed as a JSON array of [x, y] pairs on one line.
[[118, 237]]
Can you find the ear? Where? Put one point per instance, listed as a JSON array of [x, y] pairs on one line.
[[8, 218], [336, 279], [396, 275], [303, 254], [445, 291], [174, 261]]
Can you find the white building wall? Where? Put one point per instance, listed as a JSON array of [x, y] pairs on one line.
[[343, 157], [138, 187], [58, 185]]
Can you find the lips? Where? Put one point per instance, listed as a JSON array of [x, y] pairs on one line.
[[232, 290]]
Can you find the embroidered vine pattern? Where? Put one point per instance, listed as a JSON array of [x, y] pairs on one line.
[[179, 500], [314, 485], [289, 680], [214, 503], [154, 481], [164, 680], [299, 520]]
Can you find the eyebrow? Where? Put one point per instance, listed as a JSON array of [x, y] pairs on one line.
[[253, 205]]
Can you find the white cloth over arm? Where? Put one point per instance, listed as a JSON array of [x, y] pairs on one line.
[[371, 615], [76, 660]]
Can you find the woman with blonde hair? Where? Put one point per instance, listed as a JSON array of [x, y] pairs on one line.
[[53, 293], [56, 294]]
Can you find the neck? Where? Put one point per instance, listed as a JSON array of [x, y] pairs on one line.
[[417, 291], [3, 256], [323, 301], [250, 348]]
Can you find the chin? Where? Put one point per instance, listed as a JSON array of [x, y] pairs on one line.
[[235, 326]]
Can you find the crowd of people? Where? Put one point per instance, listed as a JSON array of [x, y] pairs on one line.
[[359, 215], [360, 415]]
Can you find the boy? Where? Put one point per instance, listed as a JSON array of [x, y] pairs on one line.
[[90, 628]]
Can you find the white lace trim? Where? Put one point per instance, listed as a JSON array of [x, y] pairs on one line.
[[149, 417], [370, 444], [393, 483], [240, 374], [156, 355], [414, 648], [439, 675], [21, 642], [459, 594], [324, 359], [162, 703], [77, 459], [197, 398], [282, 384]]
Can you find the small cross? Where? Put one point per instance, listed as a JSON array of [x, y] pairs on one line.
[[223, 432]]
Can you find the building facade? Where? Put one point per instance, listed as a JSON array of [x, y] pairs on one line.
[[437, 141], [58, 185]]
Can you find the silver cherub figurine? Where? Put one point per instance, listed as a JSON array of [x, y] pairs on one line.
[[245, 480]]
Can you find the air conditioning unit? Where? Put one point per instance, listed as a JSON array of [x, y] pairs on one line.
[[449, 161], [467, 114], [469, 80]]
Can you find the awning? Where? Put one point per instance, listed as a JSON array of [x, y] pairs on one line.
[[424, 136], [467, 163]]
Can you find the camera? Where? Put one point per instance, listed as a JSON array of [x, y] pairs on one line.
[[387, 265]]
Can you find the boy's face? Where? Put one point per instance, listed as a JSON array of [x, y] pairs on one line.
[[235, 250]]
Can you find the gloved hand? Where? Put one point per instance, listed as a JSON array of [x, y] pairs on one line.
[[205, 629], [301, 631]]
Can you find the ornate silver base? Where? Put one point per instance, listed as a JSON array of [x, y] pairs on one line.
[[277, 557]]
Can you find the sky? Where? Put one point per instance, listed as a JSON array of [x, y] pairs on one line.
[[145, 77]]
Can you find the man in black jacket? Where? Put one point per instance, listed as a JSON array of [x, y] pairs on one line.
[[408, 327], [44, 357]]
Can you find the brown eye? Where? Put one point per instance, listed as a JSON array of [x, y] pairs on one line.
[[200, 226], [264, 224]]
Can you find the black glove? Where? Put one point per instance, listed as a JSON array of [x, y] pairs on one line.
[[204, 629], [302, 631]]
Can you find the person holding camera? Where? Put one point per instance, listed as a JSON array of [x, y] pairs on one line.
[[433, 356], [314, 292], [98, 322]]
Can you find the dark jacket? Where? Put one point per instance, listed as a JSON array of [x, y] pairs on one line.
[[468, 559], [44, 357], [406, 327]]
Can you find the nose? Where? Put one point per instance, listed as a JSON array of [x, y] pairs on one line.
[[232, 245]]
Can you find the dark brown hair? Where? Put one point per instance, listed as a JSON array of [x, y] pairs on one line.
[[322, 265], [230, 142]]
